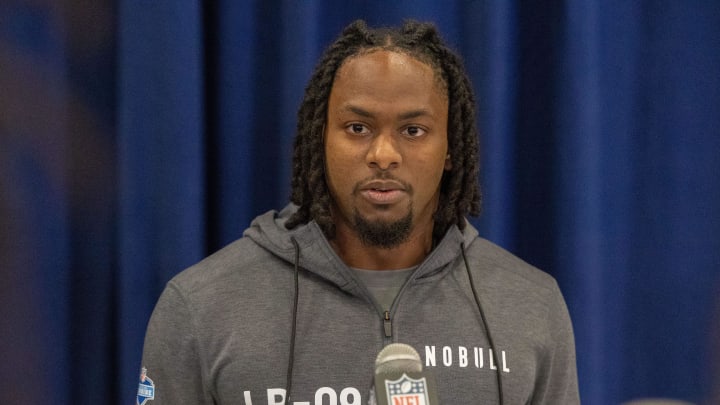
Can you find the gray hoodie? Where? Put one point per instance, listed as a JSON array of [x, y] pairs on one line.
[[222, 331]]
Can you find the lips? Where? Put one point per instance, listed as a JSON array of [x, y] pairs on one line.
[[383, 191]]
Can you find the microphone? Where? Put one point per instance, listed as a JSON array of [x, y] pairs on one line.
[[400, 380]]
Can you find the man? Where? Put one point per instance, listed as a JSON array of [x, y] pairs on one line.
[[374, 249]]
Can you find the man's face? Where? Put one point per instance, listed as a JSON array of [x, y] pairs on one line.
[[385, 146]]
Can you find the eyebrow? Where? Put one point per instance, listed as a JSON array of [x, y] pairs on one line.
[[414, 114], [404, 116], [359, 111]]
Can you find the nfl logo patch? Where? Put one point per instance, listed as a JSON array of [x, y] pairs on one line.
[[407, 391], [146, 389]]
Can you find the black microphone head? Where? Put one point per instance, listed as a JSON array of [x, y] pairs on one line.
[[398, 358]]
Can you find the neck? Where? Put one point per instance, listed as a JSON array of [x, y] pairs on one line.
[[357, 254]]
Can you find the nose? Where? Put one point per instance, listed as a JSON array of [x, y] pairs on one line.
[[383, 152]]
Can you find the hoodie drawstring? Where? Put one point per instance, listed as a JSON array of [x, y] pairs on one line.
[[288, 382], [485, 324], [291, 360]]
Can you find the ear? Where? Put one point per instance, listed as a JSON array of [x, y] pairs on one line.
[[448, 163]]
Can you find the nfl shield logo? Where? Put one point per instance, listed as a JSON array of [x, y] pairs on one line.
[[146, 389], [407, 391]]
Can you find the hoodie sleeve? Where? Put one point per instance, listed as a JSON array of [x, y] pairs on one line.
[[171, 360], [557, 378]]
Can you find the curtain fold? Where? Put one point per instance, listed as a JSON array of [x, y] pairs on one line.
[[161, 163]]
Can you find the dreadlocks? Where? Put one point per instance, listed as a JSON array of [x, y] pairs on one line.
[[459, 190]]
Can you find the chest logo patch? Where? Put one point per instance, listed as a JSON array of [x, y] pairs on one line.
[[146, 389]]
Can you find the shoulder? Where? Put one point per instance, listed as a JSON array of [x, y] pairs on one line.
[[241, 263], [505, 271], [525, 299]]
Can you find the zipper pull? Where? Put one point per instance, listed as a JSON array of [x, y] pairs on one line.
[[388, 324]]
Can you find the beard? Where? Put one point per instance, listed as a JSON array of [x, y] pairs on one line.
[[382, 234]]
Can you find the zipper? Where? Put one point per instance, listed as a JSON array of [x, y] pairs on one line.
[[387, 323]]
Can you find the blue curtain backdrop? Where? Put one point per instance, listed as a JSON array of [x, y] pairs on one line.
[[137, 137]]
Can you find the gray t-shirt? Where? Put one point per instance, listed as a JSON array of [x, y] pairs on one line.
[[384, 285]]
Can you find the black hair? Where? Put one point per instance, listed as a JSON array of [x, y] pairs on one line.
[[459, 189]]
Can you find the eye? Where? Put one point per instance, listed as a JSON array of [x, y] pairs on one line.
[[414, 132], [357, 129]]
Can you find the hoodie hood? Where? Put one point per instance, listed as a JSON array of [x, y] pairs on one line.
[[317, 255]]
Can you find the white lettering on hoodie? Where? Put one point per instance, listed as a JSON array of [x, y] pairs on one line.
[[459, 357]]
